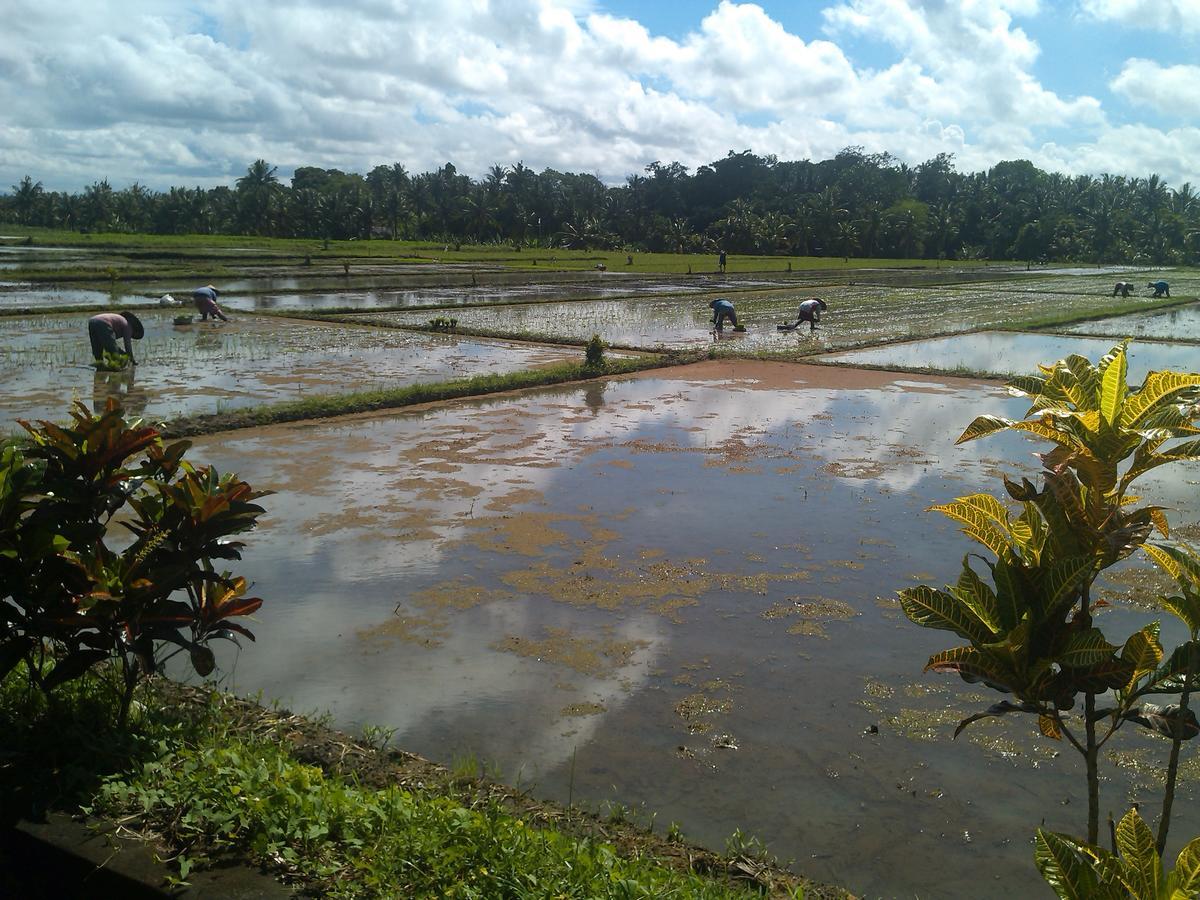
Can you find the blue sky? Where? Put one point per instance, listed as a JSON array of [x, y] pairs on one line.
[[165, 92]]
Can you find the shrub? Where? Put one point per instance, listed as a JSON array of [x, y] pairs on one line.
[[594, 353], [68, 599]]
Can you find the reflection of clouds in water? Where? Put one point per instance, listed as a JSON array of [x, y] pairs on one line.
[[461, 688], [866, 425]]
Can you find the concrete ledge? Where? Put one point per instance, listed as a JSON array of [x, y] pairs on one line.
[[63, 858]]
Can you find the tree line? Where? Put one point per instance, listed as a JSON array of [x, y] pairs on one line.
[[855, 204]]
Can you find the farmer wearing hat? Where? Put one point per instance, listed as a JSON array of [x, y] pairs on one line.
[[810, 312], [205, 299], [1161, 288], [105, 328]]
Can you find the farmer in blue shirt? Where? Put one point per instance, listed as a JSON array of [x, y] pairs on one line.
[[205, 299], [722, 310], [1161, 288]]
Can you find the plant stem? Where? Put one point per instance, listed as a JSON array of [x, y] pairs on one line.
[[1093, 779], [1164, 822]]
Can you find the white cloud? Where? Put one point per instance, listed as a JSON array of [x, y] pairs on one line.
[[1161, 15], [1168, 89], [154, 91]]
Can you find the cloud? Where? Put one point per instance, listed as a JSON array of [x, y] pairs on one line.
[[1170, 90], [166, 93], [1174, 16]]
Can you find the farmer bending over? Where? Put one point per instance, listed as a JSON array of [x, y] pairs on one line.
[[105, 328], [810, 312], [722, 310], [1123, 288], [205, 299], [1161, 288]]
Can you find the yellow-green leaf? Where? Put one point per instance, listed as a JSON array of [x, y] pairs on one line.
[[1113, 387], [931, 608], [1143, 869], [1157, 387], [1086, 649], [983, 426], [1187, 867], [1143, 651], [1064, 866]]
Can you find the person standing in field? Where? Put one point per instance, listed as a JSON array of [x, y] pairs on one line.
[[722, 310], [105, 328], [721, 261], [205, 299], [810, 312], [1161, 288]]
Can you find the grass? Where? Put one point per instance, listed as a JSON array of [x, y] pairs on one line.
[[145, 255], [211, 778], [371, 401]]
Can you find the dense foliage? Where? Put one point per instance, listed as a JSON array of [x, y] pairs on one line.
[[76, 591], [1032, 633], [855, 204]]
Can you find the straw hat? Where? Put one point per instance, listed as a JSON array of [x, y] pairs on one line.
[[135, 325]]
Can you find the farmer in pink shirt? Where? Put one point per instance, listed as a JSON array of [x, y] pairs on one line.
[[105, 328]]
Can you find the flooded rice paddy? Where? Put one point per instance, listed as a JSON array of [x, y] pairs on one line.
[[1014, 353], [1182, 323], [857, 314], [45, 362], [675, 592]]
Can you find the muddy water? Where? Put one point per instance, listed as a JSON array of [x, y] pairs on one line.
[[452, 296], [210, 367], [665, 591], [857, 314], [1009, 353], [1181, 323], [27, 297]]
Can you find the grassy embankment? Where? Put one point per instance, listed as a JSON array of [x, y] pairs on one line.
[[137, 256], [371, 401], [210, 778]]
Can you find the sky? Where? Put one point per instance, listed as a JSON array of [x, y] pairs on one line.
[[191, 92]]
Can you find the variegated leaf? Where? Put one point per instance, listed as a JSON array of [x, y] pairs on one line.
[[983, 426], [978, 597], [1143, 868], [1086, 649], [936, 609], [1143, 651], [1048, 726], [972, 665], [1113, 385], [1065, 867], [1061, 583], [1157, 387], [1187, 868]]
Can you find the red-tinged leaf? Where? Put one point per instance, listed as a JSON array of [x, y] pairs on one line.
[[1048, 725], [243, 607]]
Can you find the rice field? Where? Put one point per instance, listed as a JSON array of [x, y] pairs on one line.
[[858, 315]]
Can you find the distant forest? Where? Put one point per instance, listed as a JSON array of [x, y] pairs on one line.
[[853, 205]]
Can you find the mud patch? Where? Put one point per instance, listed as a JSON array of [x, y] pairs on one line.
[[598, 657]]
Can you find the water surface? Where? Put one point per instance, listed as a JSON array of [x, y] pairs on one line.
[[1013, 353], [666, 590], [217, 366]]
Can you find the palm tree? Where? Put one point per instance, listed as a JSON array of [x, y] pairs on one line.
[[257, 191], [846, 236], [27, 197]]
